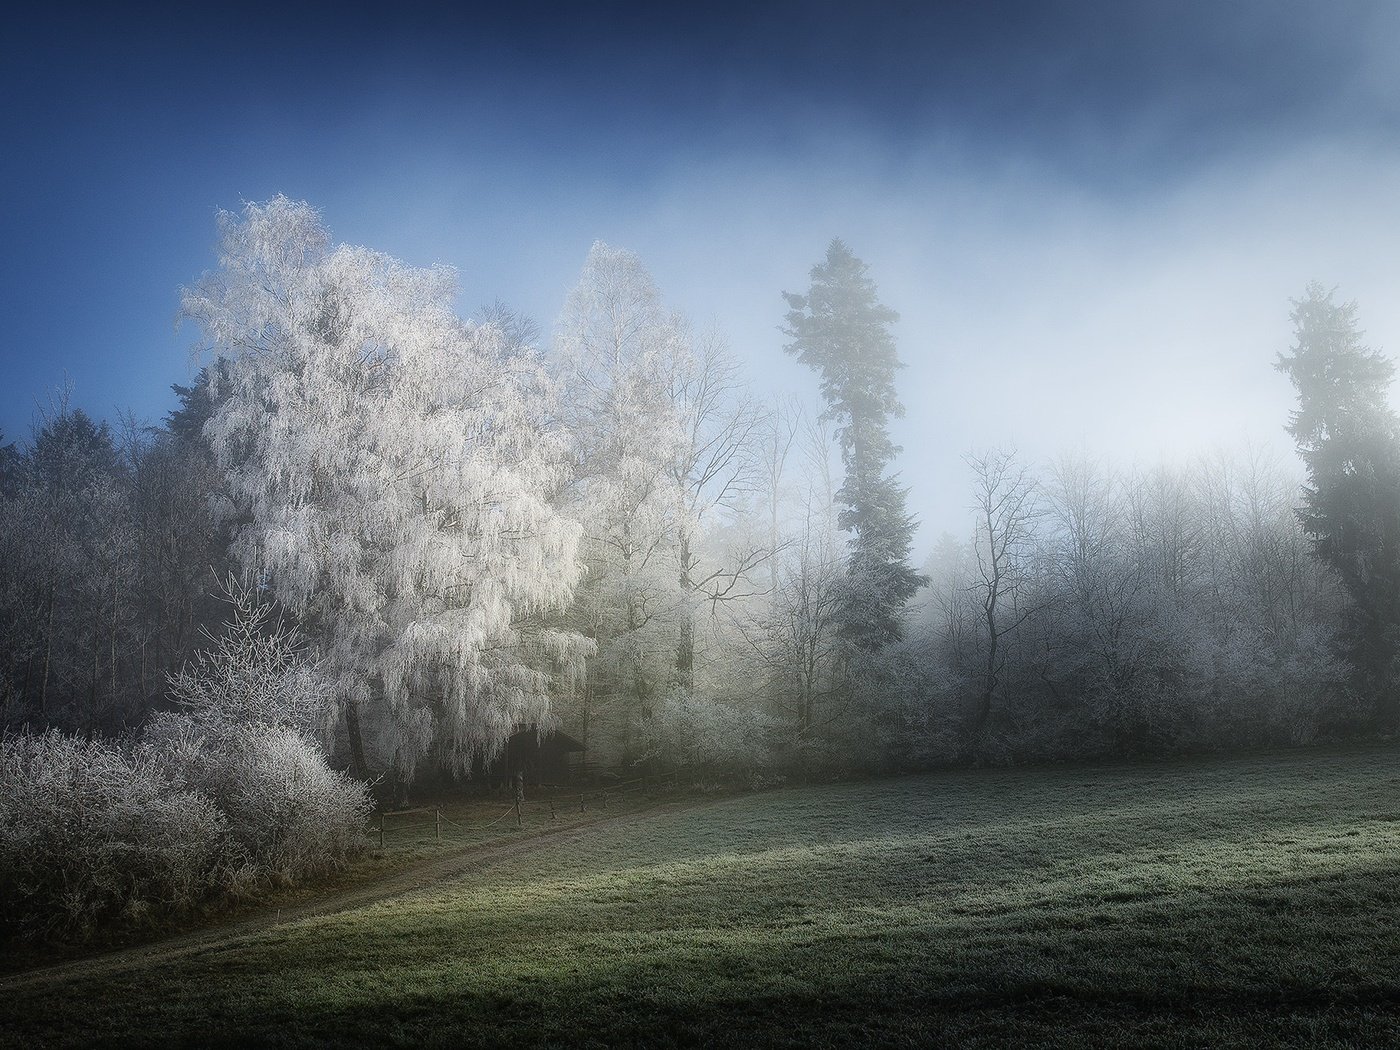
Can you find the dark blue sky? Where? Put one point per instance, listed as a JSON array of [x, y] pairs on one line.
[[503, 140]]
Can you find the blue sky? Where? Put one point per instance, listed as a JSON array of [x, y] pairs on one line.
[[1090, 215]]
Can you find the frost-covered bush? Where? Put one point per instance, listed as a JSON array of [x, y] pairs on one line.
[[251, 702], [708, 732], [289, 814], [226, 797], [93, 835]]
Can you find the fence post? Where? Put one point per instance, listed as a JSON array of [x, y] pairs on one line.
[[437, 822], [518, 822], [381, 829], [581, 807]]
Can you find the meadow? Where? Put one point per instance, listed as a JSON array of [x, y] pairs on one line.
[[1214, 901]]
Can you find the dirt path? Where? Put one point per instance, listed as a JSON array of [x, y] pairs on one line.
[[419, 876]]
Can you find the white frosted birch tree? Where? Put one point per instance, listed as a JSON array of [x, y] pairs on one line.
[[396, 469], [621, 354]]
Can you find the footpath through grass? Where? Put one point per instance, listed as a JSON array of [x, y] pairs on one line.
[[1213, 902], [418, 847]]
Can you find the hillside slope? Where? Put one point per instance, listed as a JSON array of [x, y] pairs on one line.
[[1228, 901]]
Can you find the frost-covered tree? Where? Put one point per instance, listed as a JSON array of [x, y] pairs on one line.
[[621, 355], [773, 444], [798, 634], [793, 629], [662, 428], [397, 468], [842, 330], [249, 735], [1094, 643], [255, 671]]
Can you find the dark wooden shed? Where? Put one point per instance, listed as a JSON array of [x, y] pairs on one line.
[[544, 758]]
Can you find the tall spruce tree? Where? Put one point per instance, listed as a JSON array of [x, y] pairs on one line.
[[1349, 440], [842, 330]]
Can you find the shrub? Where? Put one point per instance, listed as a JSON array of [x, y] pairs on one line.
[[250, 701], [93, 834], [290, 816], [224, 799], [706, 732]]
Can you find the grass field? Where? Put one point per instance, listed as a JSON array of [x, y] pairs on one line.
[[1195, 903]]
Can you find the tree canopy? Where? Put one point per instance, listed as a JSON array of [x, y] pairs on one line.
[[397, 466]]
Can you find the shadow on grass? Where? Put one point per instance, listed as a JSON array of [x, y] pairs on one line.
[[1208, 968]]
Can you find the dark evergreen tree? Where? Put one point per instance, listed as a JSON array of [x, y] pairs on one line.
[[10, 467], [842, 330], [197, 404], [1347, 436], [186, 422]]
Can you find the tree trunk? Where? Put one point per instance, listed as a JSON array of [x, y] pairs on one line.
[[112, 640], [983, 717], [984, 702], [359, 768], [587, 709], [685, 646], [685, 652], [48, 657], [96, 665]]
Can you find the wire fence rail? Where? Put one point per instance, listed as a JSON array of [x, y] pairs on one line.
[[599, 795]]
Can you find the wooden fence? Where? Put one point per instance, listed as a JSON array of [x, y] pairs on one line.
[[599, 795]]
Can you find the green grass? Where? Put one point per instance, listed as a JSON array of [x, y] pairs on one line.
[[410, 836], [1203, 903], [410, 844]]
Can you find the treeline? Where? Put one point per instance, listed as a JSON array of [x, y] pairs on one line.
[[111, 557], [1096, 612], [481, 532]]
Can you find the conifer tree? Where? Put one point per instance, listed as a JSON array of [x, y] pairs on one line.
[[842, 330], [1347, 436]]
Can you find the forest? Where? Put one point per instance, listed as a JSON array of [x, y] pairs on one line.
[[377, 539]]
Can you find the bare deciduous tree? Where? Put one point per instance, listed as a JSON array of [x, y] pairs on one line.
[[1007, 506]]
